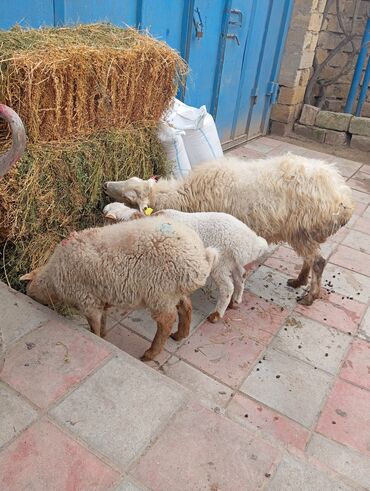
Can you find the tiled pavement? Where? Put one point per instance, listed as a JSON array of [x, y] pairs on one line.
[[276, 396]]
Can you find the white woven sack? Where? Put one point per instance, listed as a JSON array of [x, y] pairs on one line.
[[173, 145]]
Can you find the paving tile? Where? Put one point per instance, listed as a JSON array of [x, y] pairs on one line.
[[287, 385], [342, 459], [348, 283], [140, 321], [365, 168], [358, 240], [49, 361], [336, 311], [364, 330], [361, 197], [270, 141], [356, 367], [366, 213], [254, 415], [258, 319], [245, 153], [204, 450], [360, 181], [133, 344], [293, 474], [134, 399], [222, 350], [362, 224], [44, 458], [284, 259], [346, 167], [351, 259], [211, 393], [264, 146], [20, 315], [271, 284], [346, 417], [128, 485], [15, 414], [117, 314], [320, 346]]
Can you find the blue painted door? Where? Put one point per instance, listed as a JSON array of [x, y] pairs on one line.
[[233, 47]]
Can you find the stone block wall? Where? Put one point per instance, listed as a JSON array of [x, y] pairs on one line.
[[339, 129], [314, 33], [333, 97], [296, 64]]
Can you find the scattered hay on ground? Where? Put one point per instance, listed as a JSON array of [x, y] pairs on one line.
[[71, 82], [56, 188]]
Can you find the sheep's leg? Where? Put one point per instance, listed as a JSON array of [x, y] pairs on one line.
[[303, 275], [103, 323], [317, 270], [184, 309], [165, 321], [239, 277], [225, 286], [95, 321]]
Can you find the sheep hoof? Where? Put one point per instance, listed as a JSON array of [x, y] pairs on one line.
[[176, 336], [306, 300], [232, 304], [147, 356], [295, 282], [214, 317]]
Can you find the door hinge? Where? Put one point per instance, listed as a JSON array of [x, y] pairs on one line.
[[273, 91]]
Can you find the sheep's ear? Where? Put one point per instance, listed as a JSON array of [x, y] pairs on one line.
[[111, 216], [28, 276]]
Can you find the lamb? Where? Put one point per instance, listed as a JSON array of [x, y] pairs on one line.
[[237, 244], [155, 264], [286, 198]]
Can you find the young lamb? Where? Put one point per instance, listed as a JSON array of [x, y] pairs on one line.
[[237, 245], [287, 198], [155, 264]]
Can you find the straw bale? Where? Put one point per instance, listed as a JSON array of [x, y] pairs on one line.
[[71, 82], [56, 188]]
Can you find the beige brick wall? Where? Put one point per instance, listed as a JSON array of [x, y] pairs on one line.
[[313, 36], [297, 61]]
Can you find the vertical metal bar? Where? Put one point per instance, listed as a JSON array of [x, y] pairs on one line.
[[59, 13], [365, 85], [220, 59], [186, 27], [139, 14], [358, 70]]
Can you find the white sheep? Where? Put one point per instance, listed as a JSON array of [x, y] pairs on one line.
[[155, 264], [288, 198], [237, 245]]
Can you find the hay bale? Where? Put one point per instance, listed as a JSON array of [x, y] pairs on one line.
[[71, 82], [56, 188]]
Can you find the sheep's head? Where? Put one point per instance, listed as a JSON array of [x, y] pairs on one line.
[[38, 287], [133, 192], [118, 212]]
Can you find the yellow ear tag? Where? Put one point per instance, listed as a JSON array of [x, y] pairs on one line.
[[148, 211]]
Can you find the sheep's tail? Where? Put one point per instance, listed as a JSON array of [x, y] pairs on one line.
[[212, 257]]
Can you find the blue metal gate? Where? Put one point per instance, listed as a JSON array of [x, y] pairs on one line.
[[233, 47]]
